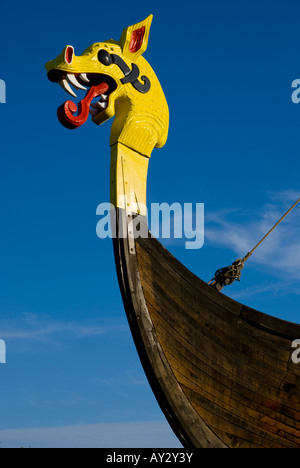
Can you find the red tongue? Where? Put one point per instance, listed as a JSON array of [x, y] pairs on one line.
[[66, 112]]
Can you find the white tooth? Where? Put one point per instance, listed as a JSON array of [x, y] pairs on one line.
[[84, 77], [73, 80], [104, 97], [102, 105], [65, 85]]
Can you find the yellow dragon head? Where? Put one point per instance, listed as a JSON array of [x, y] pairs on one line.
[[120, 83]]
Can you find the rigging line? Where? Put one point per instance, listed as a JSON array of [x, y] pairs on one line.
[[271, 230], [228, 275]]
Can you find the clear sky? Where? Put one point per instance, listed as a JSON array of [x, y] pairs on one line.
[[72, 370]]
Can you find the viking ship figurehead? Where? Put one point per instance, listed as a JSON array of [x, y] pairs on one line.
[[120, 83]]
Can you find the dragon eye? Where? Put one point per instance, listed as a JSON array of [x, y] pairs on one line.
[[104, 57], [69, 52]]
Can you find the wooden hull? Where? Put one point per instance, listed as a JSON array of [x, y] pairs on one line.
[[221, 372]]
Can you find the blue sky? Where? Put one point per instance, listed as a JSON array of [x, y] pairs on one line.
[[72, 370]]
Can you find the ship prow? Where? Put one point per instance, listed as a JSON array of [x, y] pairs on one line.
[[221, 372]]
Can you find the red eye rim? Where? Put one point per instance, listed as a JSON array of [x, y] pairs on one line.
[[69, 54]]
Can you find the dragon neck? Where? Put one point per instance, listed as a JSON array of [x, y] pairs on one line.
[[128, 179]]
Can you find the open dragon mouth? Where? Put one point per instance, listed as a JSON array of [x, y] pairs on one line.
[[98, 87]]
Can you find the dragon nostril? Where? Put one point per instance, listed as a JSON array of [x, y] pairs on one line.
[[69, 54]]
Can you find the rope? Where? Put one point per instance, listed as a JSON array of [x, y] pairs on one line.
[[228, 275], [271, 230]]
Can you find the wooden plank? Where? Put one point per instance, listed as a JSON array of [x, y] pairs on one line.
[[250, 395], [233, 403], [224, 392], [275, 352]]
